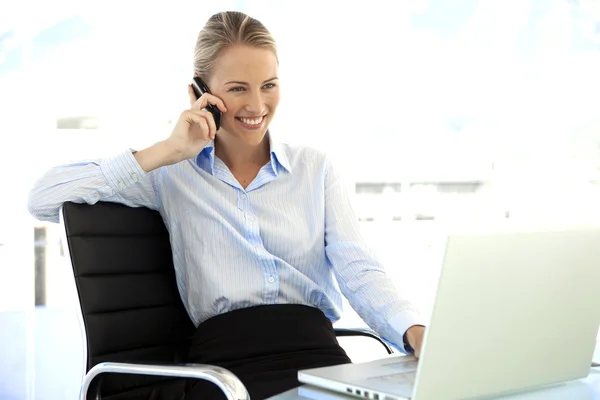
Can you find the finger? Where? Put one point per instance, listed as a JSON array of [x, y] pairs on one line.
[[207, 99], [195, 117], [210, 120], [219, 103], [211, 126], [192, 95]]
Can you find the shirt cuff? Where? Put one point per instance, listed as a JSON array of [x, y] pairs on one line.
[[400, 324], [122, 170]]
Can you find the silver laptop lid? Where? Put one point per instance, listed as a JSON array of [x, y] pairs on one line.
[[513, 310]]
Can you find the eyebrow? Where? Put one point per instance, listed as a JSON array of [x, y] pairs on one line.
[[245, 83]]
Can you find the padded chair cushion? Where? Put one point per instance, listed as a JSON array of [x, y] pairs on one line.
[[132, 311]]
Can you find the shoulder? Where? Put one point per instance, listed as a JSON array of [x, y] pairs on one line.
[[305, 156]]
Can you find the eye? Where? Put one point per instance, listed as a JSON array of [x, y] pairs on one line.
[[269, 86], [236, 89]]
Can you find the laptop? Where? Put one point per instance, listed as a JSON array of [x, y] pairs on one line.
[[514, 310]]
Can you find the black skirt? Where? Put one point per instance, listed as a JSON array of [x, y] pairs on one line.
[[264, 347]]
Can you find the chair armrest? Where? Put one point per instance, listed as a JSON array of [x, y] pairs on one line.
[[363, 332], [233, 388]]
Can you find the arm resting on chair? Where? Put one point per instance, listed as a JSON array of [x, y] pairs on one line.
[[362, 332], [233, 388]]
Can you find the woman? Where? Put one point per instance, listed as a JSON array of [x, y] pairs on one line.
[[263, 235]]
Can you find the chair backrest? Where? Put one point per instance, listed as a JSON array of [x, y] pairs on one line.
[[123, 268]]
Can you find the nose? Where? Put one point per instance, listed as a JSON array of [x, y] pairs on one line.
[[255, 103]]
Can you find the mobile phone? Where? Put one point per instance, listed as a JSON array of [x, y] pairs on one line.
[[200, 88]]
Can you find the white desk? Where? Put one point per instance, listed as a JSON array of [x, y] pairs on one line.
[[583, 389]]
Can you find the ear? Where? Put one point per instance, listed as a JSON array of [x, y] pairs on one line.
[[196, 75]]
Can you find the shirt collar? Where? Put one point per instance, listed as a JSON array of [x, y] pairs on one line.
[[206, 158], [278, 154]]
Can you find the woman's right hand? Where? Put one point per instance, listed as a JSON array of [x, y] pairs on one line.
[[192, 132], [195, 126]]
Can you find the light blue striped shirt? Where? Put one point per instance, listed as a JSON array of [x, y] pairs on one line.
[[290, 237]]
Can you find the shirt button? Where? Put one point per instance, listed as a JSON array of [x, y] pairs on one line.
[[121, 185], [271, 279], [134, 177], [249, 217], [243, 197]]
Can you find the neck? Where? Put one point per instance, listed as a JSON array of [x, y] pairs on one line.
[[237, 154]]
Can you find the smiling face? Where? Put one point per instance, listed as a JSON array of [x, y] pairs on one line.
[[245, 78]]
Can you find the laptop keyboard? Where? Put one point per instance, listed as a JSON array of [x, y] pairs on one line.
[[405, 373], [407, 377], [402, 366]]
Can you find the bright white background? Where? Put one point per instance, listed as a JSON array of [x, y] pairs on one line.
[[465, 112]]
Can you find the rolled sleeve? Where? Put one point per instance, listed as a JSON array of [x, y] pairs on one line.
[[361, 276], [122, 170]]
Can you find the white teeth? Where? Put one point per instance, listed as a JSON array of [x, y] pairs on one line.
[[252, 121]]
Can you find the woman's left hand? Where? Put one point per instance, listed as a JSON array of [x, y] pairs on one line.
[[414, 337]]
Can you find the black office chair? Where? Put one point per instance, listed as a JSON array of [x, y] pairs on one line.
[[137, 330]]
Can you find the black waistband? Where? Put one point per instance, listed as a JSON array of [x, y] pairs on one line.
[[260, 331], [264, 346]]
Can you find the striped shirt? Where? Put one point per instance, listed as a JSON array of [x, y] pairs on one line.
[[290, 237]]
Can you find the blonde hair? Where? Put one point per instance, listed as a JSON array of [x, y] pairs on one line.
[[227, 29]]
